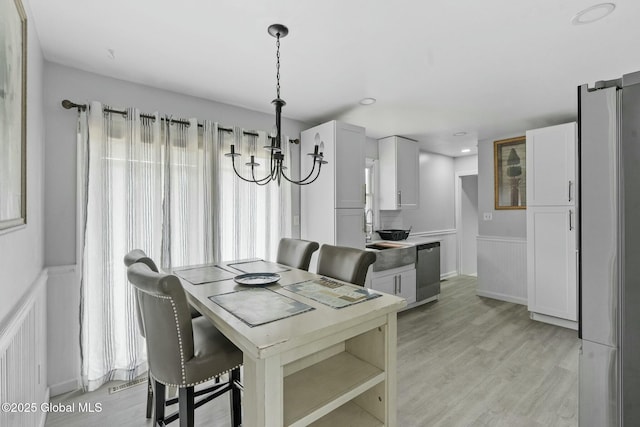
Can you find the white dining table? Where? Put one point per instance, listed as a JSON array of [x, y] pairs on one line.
[[325, 366]]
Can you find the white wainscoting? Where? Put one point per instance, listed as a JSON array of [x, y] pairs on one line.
[[502, 268], [23, 358], [448, 250], [63, 329]]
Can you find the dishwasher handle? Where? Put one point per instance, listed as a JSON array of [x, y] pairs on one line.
[[428, 246]]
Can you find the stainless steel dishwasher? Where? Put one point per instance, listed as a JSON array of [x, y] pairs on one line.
[[428, 271]]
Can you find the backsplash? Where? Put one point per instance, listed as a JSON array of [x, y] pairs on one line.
[[391, 220]]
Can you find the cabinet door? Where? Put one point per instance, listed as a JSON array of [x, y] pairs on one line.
[[387, 284], [350, 164], [551, 165], [552, 261], [350, 228], [407, 285], [408, 173], [388, 182]]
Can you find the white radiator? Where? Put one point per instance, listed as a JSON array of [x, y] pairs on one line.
[[23, 344], [502, 269]]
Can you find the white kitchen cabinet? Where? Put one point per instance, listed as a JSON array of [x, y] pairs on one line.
[[552, 224], [551, 165], [332, 208], [399, 281], [399, 173], [552, 261], [341, 181]]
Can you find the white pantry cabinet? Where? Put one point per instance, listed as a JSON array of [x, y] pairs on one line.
[[552, 224], [332, 208], [399, 281], [399, 173], [551, 165], [552, 261]]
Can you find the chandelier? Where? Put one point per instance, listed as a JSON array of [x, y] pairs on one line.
[[277, 169]]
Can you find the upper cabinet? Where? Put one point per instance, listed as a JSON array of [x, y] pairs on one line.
[[551, 165], [399, 173], [341, 181]]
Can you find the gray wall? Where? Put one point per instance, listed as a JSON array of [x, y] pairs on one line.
[[79, 86], [505, 223], [466, 163], [437, 195], [21, 250]]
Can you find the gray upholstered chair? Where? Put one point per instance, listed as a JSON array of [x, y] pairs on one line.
[[296, 253], [183, 352], [138, 255], [346, 264]]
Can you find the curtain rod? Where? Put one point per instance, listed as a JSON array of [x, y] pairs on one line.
[[83, 107]]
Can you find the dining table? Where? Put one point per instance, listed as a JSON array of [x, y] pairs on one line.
[[316, 350]]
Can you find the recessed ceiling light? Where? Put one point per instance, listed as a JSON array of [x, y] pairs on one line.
[[593, 13], [459, 134], [367, 101], [466, 150]]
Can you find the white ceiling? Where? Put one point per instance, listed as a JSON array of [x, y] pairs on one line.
[[491, 68]]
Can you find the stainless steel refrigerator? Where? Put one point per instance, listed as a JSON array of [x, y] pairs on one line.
[[609, 245]]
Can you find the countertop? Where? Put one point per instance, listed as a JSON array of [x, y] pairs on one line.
[[410, 241]]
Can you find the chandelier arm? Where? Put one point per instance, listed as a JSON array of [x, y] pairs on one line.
[[312, 169], [233, 162], [263, 181], [305, 180]]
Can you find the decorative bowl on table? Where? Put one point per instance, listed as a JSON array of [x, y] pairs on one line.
[[257, 279]]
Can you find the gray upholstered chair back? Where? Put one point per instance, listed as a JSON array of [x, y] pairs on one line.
[[167, 322], [346, 264], [138, 255], [296, 253]]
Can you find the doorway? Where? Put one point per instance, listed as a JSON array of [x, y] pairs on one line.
[[467, 222]]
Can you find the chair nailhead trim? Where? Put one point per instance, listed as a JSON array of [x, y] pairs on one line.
[[199, 382], [175, 317]]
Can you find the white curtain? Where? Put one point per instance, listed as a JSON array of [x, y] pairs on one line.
[[163, 186]]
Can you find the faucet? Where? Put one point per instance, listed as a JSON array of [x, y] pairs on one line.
[[368, 225]]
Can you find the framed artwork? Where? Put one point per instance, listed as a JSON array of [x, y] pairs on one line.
[[509, 177], [13, 114]]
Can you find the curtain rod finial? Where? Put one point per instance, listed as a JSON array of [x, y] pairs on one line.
[[69, 105]]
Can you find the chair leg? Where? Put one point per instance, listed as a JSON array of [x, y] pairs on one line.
[[160, 395], [236, 405], [149, 397], [186, 404]]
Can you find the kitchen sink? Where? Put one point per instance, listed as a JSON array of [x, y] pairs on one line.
[[383, 246], [392, 255]]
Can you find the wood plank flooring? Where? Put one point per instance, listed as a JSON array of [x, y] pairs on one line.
[[462, 361]]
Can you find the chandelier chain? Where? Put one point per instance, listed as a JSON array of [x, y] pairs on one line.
[[278, 65]]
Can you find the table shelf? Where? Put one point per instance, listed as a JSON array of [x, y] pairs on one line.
[[316, 391], [357, 417]]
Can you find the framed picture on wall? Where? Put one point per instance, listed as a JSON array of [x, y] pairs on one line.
[[509, 177], [13, 116]]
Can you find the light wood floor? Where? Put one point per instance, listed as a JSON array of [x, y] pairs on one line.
[[462, 361]]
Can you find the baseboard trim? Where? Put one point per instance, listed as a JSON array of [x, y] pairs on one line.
[[64, 387], [448, 275], [43, 414], [552, 320], [502, 297]]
